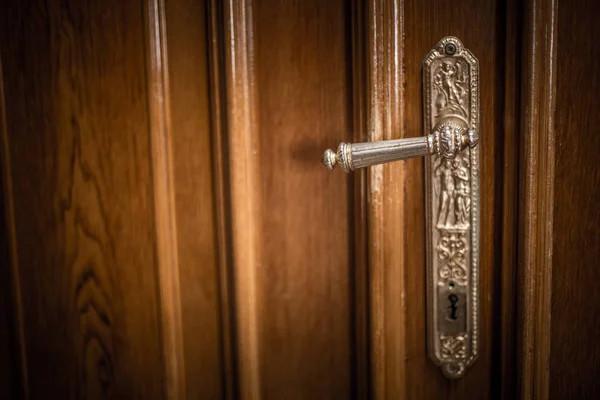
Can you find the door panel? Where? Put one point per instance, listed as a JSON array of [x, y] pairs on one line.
[[574, 352], [78, 156], [281, 278], [393, 38], [203, 323], [170, 232], [484, 28], [303, 283]]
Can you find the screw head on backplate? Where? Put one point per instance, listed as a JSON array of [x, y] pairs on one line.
[[450, 49]]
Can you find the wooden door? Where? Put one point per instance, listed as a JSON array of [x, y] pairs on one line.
[[169, 231]]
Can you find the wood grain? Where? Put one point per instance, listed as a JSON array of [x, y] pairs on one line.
[[302, 80], [536, 194], [9, 371], [244, 179], [176, 236], [222, 198], [186, 26], [385, 202], [574, 361], [358, 202], [13, 359], [77, 129], [504, 328]]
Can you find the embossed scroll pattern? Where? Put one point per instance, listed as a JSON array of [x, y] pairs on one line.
[[453, 347]]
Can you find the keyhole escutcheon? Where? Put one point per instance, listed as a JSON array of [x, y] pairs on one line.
[[453, 308]]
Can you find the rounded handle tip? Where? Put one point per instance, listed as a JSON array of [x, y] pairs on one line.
[[329, 159]]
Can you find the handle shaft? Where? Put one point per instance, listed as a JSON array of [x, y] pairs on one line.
[[447, 141], [373, 153]]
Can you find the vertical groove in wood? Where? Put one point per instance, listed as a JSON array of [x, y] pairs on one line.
[[360, 241], [11, 245], [165, 221], [537, 180], [245, 184], [504, 334], [221, 185], [385, 199]]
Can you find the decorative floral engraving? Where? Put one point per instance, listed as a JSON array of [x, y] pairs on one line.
[[453, 347], [452, 247]]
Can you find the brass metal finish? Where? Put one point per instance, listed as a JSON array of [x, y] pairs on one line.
[[451, 115]]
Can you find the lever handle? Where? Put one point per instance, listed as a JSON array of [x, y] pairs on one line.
[[450, 82], [448, 139]]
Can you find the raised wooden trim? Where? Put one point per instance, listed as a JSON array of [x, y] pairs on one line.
[[11, 242], [537, 197], [164, 201], [244, 180], [385, 198]]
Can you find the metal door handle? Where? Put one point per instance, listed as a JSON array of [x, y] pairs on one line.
[[450, 75], [448, 139]]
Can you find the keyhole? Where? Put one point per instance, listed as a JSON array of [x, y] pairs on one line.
[[453, 307]]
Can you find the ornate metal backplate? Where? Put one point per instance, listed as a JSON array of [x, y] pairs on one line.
[[450, 86]]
